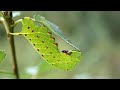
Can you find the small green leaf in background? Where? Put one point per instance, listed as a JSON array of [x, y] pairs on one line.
[[2, 55]]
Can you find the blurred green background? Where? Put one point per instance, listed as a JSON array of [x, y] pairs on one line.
[[95, 33]]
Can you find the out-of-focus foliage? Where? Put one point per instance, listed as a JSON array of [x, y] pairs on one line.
[[2, 55], [96, 34]]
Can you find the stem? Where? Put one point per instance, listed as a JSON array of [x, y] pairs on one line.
[[16, 22], [8, 22]]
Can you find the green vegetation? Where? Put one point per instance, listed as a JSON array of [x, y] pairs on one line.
[[96, 34]]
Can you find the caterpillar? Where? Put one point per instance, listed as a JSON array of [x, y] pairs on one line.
[[44, 43]]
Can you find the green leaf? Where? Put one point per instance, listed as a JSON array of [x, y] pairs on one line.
[[2, 55], [54, 28], [41, 38]]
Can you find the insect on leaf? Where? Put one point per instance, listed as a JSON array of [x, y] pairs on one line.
[[41, 38]]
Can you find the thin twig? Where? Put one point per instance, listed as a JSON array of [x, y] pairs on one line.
[[16, 22], [8, 22]]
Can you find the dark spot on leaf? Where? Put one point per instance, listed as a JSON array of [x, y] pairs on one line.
[[49, 33], [25, 34], [30, 39], [56, 44], [42, 55], [38, 49], [34, 44], [20, 34], [53, 56], [53, 38], [28, 27], [46, 47], [67, 69], [32, 30], [43, 42], [50, 52], [38, 36]]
